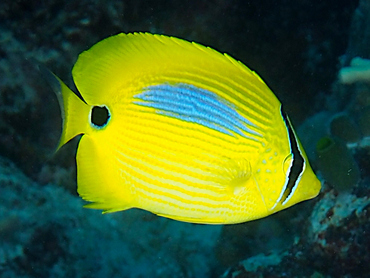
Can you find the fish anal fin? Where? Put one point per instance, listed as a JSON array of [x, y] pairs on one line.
[[100, 183], [213, 220], [103, 206]]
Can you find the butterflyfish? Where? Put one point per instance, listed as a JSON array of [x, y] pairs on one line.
[[181, 130]]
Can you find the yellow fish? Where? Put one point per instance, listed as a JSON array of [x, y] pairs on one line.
[[181, 130]]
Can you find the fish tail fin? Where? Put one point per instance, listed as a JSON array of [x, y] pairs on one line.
[[74, 110]]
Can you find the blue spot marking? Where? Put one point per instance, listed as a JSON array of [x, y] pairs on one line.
[[192, 104]]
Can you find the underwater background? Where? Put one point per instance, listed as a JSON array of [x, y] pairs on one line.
[[314, 55]]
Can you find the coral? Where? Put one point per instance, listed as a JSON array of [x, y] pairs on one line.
[[334, 240], [338, 230], [359, 70], [45, 232], [334, 243], [337, 164], [364, 120], [344, 127]]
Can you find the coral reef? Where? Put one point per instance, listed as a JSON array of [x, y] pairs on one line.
[[359, 70], [334, 240], [55, 32], [346, 173], [334, 243], [46, 233], [293, 45]]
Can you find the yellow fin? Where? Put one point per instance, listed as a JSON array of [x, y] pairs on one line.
[[194, 220], [122, 65], [234, 174], [75, 114], [98, 176], [74, 110]]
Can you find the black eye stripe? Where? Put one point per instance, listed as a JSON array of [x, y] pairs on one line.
[[296, 170]]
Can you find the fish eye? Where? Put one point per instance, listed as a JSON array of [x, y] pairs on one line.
[[287, 163], [99, 116]]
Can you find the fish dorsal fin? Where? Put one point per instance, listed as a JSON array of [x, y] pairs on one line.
[[118, 60], [122, 65]]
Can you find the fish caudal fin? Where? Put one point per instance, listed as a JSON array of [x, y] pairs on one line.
[[74, 112]]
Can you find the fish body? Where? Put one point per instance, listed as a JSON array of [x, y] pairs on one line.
[[181, 130]]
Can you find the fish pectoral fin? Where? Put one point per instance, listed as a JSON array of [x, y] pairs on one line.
[[237, 172], [193, 219]]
